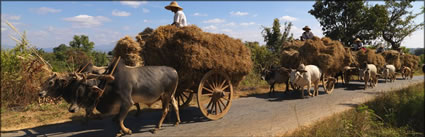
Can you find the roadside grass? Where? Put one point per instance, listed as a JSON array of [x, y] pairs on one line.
[[398, 113]]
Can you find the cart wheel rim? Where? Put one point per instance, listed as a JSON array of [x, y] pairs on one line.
[[330, 84], [183, 98], [215, 95]]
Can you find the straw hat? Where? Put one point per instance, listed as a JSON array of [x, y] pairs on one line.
[[173, 5], [306, 28], [357, 40]]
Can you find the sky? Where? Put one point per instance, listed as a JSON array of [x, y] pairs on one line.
[[51, 23]]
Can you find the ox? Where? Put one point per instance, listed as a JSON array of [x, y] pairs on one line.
[[275, 76], [62, 84], [144, 84], [406, 72], [389, 73], [370, 74], [305, 76]]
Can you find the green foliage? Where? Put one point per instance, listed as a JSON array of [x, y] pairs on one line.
[[82, 42], [260, 55], [274, 38], [404, 49], [80, 51], [400, 22], [419, 51], [22, 73], [345, 20]]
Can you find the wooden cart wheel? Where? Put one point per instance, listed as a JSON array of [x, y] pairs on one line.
[[215, 95], [329, 84], [184, 97]]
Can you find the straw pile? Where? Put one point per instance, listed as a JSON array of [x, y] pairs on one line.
[[193, 53], [330, 56], [409, 60], [370, 57], [392, 57], [129, 51]]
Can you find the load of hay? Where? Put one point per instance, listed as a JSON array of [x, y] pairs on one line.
[[370, 57], [392, 57], [330, 56], [129, 51], [409, 60], [193, 53], [289, 57]]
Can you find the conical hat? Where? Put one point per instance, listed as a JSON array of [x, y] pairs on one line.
[[306, 28], [173, 4], [357, 40]]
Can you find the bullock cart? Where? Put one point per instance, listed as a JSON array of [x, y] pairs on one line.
[[209, 65], [329, 55]]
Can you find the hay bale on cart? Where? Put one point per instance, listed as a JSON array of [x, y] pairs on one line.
[[370, 57], [392, 57], [129, 50], [207, 63], [409, 60]]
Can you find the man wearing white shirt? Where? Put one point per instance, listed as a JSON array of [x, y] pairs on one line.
[[179, 17], [307, 34]]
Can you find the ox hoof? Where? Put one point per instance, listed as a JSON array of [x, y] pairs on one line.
[[153, 131], [125, 131], [176, 124]]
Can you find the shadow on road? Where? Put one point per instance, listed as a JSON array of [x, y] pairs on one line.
[[145, 122]]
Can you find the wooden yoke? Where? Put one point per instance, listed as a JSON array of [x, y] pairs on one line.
[[83, 68], [110, 75]]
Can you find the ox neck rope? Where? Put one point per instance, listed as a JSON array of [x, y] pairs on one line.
[[104, 88]]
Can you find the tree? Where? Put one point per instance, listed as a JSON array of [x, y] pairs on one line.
[[82, 42], [344, 20], [60, 51], [260, 55], [274, 38], [419, 51], [399, 22]]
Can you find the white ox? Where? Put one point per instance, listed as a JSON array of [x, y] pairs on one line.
[[370, 74], [389, 73], [306, 76]]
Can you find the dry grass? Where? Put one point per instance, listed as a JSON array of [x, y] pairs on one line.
[[193, 53]]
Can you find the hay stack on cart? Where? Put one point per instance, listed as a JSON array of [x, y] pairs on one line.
[[392, 57], [329, 55], [208, 63]]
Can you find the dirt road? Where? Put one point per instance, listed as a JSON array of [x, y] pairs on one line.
[[257, 115]]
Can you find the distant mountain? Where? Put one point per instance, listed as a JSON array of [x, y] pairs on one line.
[[48, 49], [6, 47], [104, 48]]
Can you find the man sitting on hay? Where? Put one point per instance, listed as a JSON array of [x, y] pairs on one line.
[[179, 17]]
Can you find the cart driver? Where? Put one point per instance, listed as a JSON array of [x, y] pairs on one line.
[[307, 34], [179, 17]]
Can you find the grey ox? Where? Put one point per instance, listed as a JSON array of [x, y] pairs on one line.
[[131, 85], [276, 76]]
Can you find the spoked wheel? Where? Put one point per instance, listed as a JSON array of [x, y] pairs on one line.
[[329, 84], [184, 97], [215, 95]]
